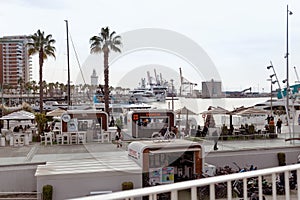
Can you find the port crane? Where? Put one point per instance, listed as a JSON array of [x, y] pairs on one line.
[[298, 81], [243, 91], [185, 85]]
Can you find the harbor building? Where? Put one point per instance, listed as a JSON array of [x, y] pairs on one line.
[[212, 89], [15, 63]]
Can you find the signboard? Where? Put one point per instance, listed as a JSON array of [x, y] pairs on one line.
[[66, 117], [161, 175], [73, 125], [167, 175], [155, 176]]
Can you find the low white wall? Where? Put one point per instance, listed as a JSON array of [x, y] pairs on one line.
[[79, 185], [18, 178], [260, 158]]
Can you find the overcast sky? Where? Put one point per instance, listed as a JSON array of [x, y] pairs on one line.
[[240, 37]]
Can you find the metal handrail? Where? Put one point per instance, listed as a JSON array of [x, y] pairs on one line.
[[10, 195], [152, 192]]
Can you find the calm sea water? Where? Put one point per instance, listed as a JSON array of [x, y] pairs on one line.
[[200, 105]]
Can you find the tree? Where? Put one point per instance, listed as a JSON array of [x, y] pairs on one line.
[[21, 85], [106, 42], [43, 46]]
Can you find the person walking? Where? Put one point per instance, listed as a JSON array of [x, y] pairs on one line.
[[278, 124], [215, 138], [119, 138]]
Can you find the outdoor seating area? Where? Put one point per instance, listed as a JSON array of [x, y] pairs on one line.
[[16, 139], [63, 138], [246, 132]]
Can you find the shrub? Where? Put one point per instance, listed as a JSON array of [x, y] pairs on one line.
[[127, 185], [47, 192]]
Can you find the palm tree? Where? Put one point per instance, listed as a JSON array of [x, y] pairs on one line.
[[43, 46], [105, 42]]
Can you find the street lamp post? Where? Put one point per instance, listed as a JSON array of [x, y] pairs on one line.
[[68, 59], [288, 12], [271, 93], [172, 83]]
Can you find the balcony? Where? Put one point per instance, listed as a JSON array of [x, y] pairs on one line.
[[192, 187]]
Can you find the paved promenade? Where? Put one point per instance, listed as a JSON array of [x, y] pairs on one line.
[[36, 152]]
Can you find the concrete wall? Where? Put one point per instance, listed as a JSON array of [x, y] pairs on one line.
[[79, 185], [18, 178], [261, 158]]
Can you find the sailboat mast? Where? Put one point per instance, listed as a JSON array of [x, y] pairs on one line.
[[68, 61]]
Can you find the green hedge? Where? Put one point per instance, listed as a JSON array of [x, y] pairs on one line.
[[47, 192]]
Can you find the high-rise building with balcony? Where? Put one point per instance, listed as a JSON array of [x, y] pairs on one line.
[[15, 63]]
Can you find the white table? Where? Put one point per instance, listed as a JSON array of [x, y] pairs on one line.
[[19, 139]]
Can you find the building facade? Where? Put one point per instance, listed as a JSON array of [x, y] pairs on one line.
[[212, 89], [94, 78], [15, 63]]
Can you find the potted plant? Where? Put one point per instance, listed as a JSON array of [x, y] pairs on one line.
[[127, 185], [40, 119]]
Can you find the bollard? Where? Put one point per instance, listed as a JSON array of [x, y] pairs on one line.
[[26, 140], [11, 141], [2, 143]]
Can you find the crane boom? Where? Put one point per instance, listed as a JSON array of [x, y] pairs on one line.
[[296, 74]]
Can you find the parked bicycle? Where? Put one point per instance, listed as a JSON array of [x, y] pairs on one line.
[[168, 136]]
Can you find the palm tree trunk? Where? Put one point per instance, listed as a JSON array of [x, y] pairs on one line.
[[41, 61], [106, 82]]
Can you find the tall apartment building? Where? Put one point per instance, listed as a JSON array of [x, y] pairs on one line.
[[15, 63]]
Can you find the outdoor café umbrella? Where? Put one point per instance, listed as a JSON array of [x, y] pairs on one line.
[[251, 111], [215, 111], [185, 111], [18, 116]]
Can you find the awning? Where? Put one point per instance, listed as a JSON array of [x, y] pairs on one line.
[[19, 115], [173, 150]]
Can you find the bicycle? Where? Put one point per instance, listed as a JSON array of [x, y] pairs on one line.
[[167, 137]]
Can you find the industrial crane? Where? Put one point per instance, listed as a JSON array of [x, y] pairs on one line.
[[298, 81]]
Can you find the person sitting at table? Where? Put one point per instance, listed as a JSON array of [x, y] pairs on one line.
[[198, 132], [16, 129], [20, 128]]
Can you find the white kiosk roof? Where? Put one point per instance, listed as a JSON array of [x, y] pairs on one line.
[[108, 162], [140, 146]]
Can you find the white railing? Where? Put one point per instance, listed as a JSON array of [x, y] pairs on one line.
[[152, 192]]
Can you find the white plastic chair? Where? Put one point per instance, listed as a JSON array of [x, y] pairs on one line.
[[81, 137], [48, 138], [65, 138], [73, 138], [105, 137], [59, 139]]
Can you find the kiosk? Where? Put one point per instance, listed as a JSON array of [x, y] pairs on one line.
[[143, 122], [92, 122], [167, 162]]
